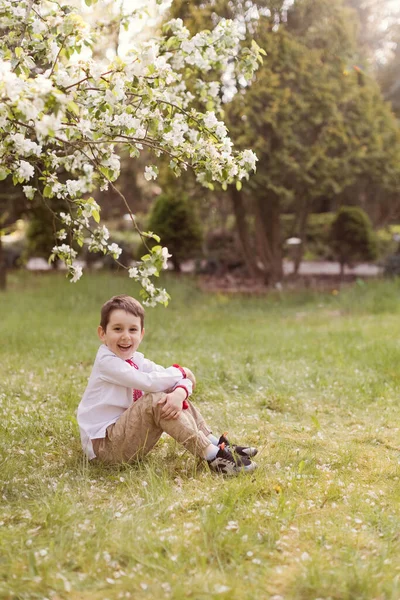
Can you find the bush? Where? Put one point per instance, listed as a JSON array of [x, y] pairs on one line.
[[387, 240], [13, 253], [352, 237], [317, 238], [223, 252], [41, 233], [391, 266], [175, 221]]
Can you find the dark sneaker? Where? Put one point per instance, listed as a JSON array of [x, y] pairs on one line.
[[248, 451], [228, 464]]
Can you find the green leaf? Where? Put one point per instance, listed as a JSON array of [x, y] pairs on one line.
[[315, 421], [96, 216], [88, 2], [239, 185], [47, 192], [18, 52], [3, 174], [73, 107]]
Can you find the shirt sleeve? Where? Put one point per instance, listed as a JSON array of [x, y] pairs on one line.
[[115, 370], [148, 366], [184, 383]]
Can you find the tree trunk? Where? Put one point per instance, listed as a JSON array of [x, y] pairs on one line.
[[176, 263], [3, 268], [240, 217], [301, 234], [269, 237]]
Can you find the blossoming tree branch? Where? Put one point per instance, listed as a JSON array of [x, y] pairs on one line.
[[64, 117]]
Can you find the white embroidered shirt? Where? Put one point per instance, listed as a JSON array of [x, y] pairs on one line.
[[109, 391]]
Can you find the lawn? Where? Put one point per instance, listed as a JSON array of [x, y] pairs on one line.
[[312, 380]]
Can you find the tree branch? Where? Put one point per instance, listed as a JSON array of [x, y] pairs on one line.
[[27, 13]]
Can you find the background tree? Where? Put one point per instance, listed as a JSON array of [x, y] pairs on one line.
[[174, 219], [317, 121], [388, 74], [352, 237], [13, 205]]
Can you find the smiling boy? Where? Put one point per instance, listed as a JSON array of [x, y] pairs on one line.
[[130, 401]]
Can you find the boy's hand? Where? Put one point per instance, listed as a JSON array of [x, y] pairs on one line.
[[190, 376], [172, 404]]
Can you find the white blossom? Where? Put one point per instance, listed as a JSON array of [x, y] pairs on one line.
[[133, 272], [63, 115], [25, 170], [114, 250], [29, 191], [65, 250], [24, 145], [76, 272], [149, 271], [165, 256], [67, 219], [210, 120], [248, 159], [150, 173], [48, 125]]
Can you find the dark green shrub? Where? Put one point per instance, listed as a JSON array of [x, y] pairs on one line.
[[41, 233], [223, 252], [388, 241], [173, 218], [317, 236], [352, 237], [391, 266]]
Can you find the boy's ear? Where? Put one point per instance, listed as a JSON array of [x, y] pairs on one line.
[[142, 334], [101, 333]]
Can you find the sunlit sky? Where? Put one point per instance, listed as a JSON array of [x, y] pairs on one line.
[[138, 26]]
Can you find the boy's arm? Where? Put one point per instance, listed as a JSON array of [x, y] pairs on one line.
[[173, 404], [190, 376], [117, 371], [148, 366]]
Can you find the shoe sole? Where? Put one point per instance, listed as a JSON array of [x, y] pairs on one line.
[[244, 453], [234, 473]]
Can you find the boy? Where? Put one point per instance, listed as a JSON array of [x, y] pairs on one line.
[[129, 400]]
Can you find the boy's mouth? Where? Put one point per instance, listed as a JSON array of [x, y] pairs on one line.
[[124, 347]]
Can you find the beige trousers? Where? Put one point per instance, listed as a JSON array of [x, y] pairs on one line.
[[140, 427]]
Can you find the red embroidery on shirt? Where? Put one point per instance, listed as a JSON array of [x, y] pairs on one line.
[[136, 394], [182, 370]]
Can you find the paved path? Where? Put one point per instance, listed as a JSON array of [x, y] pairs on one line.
[[332, 268], [306, 268]]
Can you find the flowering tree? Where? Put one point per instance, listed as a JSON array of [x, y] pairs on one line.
[[64, 116]]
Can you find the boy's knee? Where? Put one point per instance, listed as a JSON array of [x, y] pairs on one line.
[[153, 398]]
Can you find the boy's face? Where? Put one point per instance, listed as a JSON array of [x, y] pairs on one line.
[[123, 333]]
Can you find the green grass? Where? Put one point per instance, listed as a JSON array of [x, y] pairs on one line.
[[311, 379]]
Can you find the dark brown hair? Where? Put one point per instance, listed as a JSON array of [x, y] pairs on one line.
[[127, 303]]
